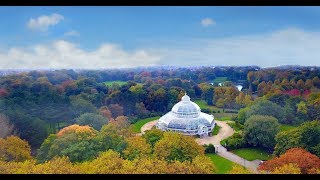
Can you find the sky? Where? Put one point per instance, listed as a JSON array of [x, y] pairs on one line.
[[119, 36]]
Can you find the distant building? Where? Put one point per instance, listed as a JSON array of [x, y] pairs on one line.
[[186, 117]]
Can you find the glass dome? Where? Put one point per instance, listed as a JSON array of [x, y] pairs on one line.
[[186, 107], [186, 117]]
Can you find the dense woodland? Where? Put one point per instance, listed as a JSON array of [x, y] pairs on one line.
[[80, 119]]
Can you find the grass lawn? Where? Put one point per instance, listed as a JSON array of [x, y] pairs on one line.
[[120, 83], [221, 164], [251, 154], [216, 130], [285, 127], [220, 79], [137, 126]]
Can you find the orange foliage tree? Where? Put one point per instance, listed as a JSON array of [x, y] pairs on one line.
[[299, 156]]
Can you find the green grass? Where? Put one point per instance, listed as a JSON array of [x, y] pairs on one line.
[[202, 104], [251, 154], [285, 127], [216, 130], [220, 79], [120, 83], [137, 126], [222, 165]]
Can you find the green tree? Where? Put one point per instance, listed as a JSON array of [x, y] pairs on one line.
[[153, 136], [306, 135], [94, 120], [265, 107], [261, 131]]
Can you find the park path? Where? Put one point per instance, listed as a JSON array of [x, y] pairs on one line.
[[224, 132]]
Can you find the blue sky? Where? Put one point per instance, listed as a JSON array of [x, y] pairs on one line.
[[102, 37]]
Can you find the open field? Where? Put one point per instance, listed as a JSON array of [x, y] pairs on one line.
[[251, 154], [120, 83], [222, 165]]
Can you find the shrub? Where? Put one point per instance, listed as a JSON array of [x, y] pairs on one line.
[[210, 149], [236, 141]]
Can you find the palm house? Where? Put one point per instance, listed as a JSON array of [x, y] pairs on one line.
[[186, 117]]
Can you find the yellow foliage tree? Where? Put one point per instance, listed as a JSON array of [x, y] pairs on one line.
[[174, 146], [137, 147], [237, 169], [14, 149], [287, 169]]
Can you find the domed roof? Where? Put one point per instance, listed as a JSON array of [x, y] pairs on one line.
[[185, 106], [186, 117]]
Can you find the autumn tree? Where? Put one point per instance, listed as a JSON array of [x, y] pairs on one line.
[[299, 156], [137, 147], [207, 92], [12, 148], [105, 112], [237, 169], [261, 131], [116, 110], [174, 146], [243, 100], [73, 141], [287, 169]]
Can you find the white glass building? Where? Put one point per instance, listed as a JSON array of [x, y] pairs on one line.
[[186, 117]]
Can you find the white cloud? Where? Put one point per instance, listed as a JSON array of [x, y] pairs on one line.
[[285, 47], [207, 22], [72, 33], [64, 54], [43, 22]]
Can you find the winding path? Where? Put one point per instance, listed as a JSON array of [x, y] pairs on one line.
[[224, 132]]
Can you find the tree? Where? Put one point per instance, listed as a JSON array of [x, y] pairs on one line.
[[306, 136], [94, 120], [6, 128], [116, 110], [14, 149], [76, 142], [242, 115], [105, 112], [153, 136], [265, 107], [210, 149], [287, 169], [137, 147], [81, 106], [174, 146], [141, 110], [308, 84], [316, 82], [299, 156], [207, 92], [300, 84], [237, 169], [261, 131]]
